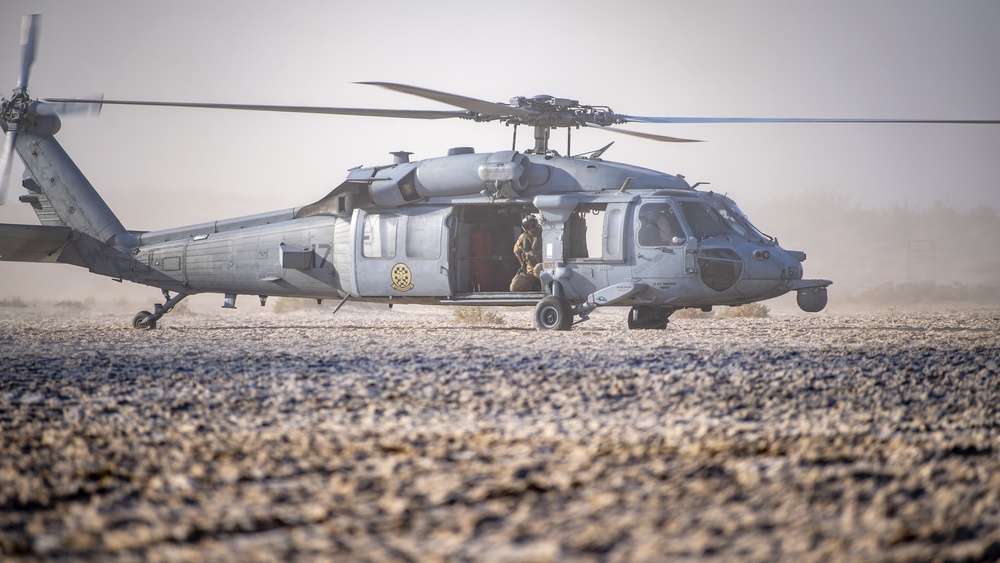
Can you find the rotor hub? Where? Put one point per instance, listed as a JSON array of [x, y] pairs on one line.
[[549, 111]]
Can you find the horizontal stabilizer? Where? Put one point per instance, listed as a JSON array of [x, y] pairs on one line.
[[33, 243]]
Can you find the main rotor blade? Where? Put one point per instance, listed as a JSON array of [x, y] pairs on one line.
[[29, 42], [471, 104], [5, 160], [409, 114], [650, 136], [641, 119]]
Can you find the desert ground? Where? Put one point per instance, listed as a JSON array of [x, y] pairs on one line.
[[402, 435]]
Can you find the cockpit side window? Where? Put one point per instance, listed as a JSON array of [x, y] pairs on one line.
[[704, 222], [658, 226]]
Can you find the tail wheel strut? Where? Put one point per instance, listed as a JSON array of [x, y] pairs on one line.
[[144, 320]]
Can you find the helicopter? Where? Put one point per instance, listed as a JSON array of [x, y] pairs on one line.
[[435, 231]]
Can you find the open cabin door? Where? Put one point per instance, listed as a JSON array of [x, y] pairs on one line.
[[402, 252]]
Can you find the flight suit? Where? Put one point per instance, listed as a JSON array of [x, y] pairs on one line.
[[528, 250]]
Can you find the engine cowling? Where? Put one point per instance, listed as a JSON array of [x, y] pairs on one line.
[[505, 172]]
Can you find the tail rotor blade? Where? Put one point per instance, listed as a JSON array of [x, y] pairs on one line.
[[5, 160], [29, 42], [89, 107]]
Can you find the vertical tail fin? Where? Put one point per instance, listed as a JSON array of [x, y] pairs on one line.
[[59, 193]]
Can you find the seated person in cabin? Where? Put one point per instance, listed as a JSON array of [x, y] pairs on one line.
[[528, 250]]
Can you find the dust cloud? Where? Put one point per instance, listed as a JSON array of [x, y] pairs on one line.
[[872, 253]]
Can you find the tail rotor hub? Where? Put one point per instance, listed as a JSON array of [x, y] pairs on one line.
[[13, 111]]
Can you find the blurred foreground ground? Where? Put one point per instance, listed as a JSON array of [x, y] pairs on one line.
[[401, 435]]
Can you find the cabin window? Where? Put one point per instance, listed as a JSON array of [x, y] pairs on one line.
[[380, 235], [595, 231], [576, 236], [423, 235], [584, 232], [613, 234]]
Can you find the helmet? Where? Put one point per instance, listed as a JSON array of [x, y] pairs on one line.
[[529, 222]]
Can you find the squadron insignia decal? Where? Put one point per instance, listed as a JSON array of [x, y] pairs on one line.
[[401, 277]]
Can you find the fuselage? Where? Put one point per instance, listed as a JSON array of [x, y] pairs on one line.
[[447, 237]]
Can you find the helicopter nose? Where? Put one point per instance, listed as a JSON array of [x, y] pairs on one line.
[[794, 268], [778, 263]]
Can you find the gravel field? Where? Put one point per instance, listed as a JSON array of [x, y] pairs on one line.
[[402, 436]]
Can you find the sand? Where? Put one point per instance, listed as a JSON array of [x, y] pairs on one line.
[[402, 436]]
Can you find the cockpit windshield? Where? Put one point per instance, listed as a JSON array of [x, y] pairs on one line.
[[734, 222], [704, 222], [731, 212]]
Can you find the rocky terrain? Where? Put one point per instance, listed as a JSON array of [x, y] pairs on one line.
[[400, 435]]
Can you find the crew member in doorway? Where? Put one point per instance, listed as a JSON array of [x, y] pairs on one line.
[[528, 250]]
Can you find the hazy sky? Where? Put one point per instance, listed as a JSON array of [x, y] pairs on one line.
[[165, 167]]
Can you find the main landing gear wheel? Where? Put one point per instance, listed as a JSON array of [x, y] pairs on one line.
[[647, 317], [553, 313], [139, 321]]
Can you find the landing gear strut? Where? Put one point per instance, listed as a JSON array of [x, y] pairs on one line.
[[648, 317], [145, 320]]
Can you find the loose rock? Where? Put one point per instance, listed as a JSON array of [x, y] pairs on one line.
[[388, 435]]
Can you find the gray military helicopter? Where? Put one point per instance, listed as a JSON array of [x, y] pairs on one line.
[[438, 230]]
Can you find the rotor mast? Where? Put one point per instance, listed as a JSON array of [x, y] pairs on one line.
[[541, 139], [543, 113]]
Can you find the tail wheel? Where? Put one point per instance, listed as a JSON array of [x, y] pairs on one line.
[[139, 321], [553, 313]]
